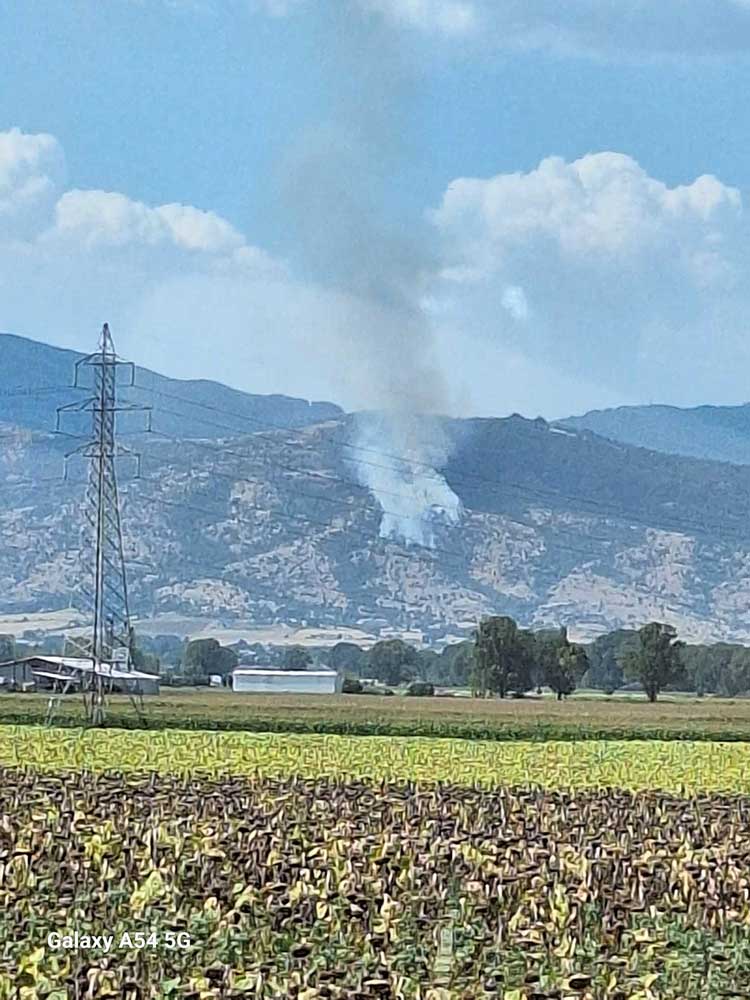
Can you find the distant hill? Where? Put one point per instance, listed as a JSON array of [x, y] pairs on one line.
[[558, 527], [35, 379], [721, 433], [509, 464]]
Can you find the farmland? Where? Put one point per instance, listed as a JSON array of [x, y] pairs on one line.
[[635, 765], [328, 888], [357, 868], [582, 716]]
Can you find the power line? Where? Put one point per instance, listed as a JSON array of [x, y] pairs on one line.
[[621, 513], [604, 509], [313, 497], [34, 390], [624, 515], [307, 520], [192, 508], [213, 447], [351, 507], [370, 508], [411, 462], [275, 463]]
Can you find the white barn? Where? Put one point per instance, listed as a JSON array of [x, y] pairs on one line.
[[265, 680]]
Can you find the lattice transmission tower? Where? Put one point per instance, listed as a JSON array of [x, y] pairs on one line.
[[103, 585]]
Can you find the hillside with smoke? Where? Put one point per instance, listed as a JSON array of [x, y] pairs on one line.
[[397, 458], [272, 529], [335, 185]]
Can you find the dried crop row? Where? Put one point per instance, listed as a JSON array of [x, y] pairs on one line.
[[321, 888], [676, 767]]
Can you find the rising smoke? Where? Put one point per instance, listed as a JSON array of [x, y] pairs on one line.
[[340, 181], [398, 463]]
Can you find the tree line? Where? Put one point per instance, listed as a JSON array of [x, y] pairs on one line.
[[505, 660], [502, 660]]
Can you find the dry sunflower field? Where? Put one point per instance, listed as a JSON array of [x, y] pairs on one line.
[[357, 868]]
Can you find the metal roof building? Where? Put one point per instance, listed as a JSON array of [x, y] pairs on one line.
[[16, 675], [53, 671], [263, 680]]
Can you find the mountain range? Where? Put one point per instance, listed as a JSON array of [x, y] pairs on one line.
[[37, 378], [251, 509], [715, 432]]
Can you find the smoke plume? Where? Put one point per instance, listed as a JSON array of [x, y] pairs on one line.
[[398, 463], [341, 180]]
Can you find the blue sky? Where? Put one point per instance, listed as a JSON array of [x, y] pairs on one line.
[[378, 216]]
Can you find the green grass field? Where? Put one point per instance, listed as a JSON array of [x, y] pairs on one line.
[[672, 717]]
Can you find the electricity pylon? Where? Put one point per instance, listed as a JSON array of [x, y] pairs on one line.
[[104, 584]]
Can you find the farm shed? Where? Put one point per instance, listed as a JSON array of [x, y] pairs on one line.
[[53, 671], [15, 675], [261, 680]]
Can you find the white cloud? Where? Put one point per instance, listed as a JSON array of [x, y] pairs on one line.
[[276, 8], [32, 167], [514, 300], [603, 207], [450, 17], [599, 28], [185, 293], [595, 27], [105, 218], [611, 27], [571, 286], [644, 286]]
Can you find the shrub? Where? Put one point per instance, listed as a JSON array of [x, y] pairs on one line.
[[421, 689]]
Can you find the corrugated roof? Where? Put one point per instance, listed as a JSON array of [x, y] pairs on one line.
[[81, 663], [56, 677]]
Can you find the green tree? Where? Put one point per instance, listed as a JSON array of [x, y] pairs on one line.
[[573, 663], [459, 663], [735, 677], [7, 648], [605, 657], [225, 661], [504, 658], [296, 658], [169, 648], [546, 647], [656, 660], [431, 667], [148, 662], [420, 689], [347, 656], [561, 662], [208, 656], [393, 662], [713, 668]]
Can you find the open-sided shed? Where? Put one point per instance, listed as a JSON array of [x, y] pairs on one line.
[[51, 672]]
